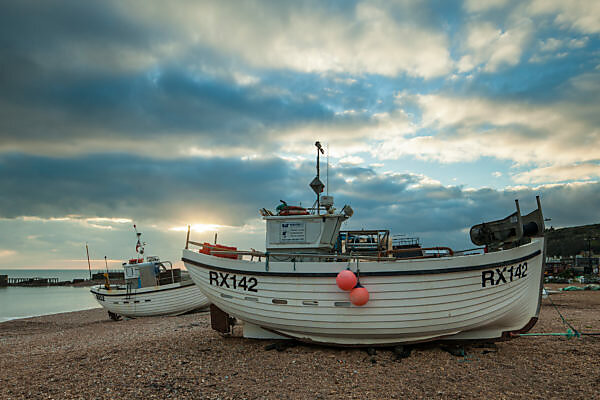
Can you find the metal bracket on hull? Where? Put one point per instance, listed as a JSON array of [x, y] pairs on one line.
[[512, 334]]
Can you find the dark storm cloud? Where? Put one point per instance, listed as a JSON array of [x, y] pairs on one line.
[[443, 218], [138, 107], [230, 191], [117, 185], [31, 26], [74, 72], [408, 203]]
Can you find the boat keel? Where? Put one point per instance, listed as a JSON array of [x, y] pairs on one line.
[[252, 331]]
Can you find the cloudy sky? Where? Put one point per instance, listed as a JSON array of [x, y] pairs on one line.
[[436, 116]]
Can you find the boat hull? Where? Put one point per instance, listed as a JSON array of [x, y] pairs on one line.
[[172, 299], [475, 297]]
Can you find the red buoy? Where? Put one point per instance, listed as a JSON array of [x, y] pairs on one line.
[[359, 296], [346, 280]]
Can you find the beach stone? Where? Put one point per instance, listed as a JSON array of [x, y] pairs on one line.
[[80, 355]]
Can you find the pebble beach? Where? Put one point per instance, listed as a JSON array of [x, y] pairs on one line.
[[85, 355]]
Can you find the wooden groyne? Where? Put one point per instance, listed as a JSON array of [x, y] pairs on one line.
[[33, 281], [111, 275], [114, 276]]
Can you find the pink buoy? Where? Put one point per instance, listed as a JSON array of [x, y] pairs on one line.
[[359, 296], [346, 280]]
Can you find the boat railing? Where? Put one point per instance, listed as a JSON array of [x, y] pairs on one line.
[[466, 252], [331, 257], [252, 253], [388, 255], [160, 279], [117, 286], [434, 252]]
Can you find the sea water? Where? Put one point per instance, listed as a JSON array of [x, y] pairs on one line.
[[23, 302]]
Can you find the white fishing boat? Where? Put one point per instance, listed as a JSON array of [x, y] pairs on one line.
[[316, 285], [152, 287]]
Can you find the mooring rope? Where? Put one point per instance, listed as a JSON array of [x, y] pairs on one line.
[[561, 316], [571, 331]]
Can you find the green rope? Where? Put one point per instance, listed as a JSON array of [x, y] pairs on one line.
[[565, 322], [571, 331], [570, 334]]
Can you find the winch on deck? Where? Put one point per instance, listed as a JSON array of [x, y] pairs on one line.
[[512, 231]]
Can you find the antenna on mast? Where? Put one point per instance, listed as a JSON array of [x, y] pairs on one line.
[[139, 246], [327, 179], [316, 184]]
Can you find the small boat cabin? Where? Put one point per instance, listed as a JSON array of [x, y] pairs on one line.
[[152, 272]]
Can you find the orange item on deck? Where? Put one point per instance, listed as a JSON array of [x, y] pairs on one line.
[[207, 247]]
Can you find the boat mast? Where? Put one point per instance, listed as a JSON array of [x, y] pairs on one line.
[[319, 148], [139, 246], [316, 184], [327, 178], [106, 276], [88, 257]]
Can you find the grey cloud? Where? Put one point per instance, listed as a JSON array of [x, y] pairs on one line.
[[62, 243], [138, 188], [230, 191], [136, 108], [439, 213], [65, 88]]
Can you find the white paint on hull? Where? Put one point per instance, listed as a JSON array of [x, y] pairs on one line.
[[403, 308], [172, 299]]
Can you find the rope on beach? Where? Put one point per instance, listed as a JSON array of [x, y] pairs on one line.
[[571, 331], [568, 335], [565, 322]]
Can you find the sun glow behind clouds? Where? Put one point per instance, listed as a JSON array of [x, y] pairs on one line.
[[115, 220], [77, 218], [200, 228]]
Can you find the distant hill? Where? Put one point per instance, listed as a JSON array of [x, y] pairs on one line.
[[571, 241]]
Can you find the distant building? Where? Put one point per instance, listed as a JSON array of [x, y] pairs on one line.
[[579, 264], [556, 265], [586, 265]]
